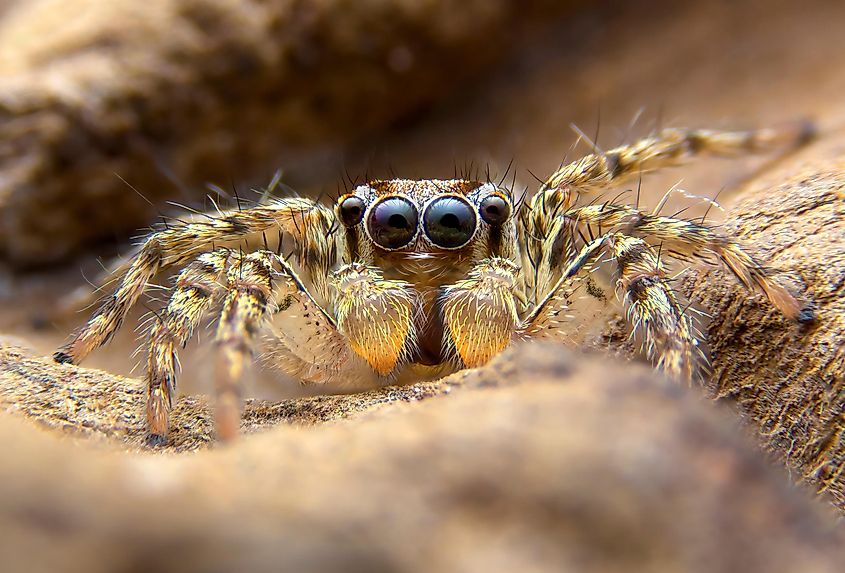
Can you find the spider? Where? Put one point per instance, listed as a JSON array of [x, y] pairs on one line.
[[408, 278]]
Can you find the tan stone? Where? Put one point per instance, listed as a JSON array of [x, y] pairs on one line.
[[543, 461]]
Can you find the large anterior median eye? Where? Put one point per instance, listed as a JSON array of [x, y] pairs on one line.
[[449, 222], [392, 222]]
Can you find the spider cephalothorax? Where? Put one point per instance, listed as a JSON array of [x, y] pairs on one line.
[[428, 237], [405, 278]]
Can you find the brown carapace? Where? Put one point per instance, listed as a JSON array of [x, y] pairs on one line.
[[402, 279]]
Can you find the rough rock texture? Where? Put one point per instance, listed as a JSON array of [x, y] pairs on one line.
[[93, 403], [171, 94], [543, 461], [789, 381]]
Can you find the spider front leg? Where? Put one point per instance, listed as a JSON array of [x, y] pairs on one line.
[[246, 310], [651, 306], [197, 288]]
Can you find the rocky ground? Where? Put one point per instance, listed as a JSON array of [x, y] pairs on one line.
[[544, 459]]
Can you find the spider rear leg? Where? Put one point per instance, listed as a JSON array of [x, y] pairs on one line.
[[671, 147], [688, 240], [196, 289], [480, 313]]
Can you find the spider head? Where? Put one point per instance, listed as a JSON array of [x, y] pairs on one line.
[[450, 221], [427, 234]]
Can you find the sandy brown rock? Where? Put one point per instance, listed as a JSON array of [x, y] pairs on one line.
[[544, 461], [93, 403], [173, 94], [788, 380]]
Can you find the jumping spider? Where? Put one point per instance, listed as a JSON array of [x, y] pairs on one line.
[[403, 278]]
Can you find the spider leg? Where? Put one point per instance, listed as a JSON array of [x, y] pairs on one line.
[[265, 296], [549, 238], [559, 297], [480, 313], [305, 221], [246, 310], [688, 240], [671, 147], [196, 289], [651, 306]]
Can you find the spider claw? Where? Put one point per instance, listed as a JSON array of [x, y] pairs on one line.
[[807, 315], [62, 357], [156, 440]]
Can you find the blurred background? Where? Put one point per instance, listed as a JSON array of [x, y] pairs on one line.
[[111, 110]]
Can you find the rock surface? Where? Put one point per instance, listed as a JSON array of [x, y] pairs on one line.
[[543, 461], [788, 380]]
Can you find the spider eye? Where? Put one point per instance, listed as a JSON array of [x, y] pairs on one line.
[[392, 222], [495, 209], [449, 222], [351, 211]]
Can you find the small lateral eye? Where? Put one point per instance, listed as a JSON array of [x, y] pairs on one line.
[[351, 211], [495, 209], [449, 222], [392, 222]]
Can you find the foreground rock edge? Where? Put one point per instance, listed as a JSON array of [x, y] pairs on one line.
[[571, 460]]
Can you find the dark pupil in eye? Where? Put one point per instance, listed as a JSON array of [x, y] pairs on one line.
[[393, 222], [351, 211], [495, 210], [397, 222], [449, 222]]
